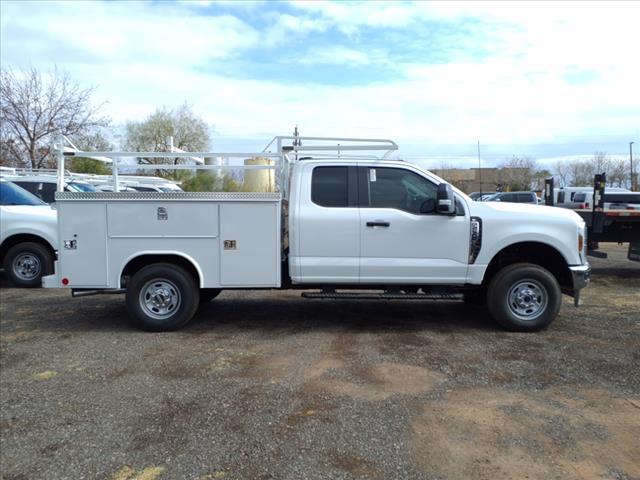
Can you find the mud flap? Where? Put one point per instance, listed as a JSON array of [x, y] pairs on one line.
[[577, 300]]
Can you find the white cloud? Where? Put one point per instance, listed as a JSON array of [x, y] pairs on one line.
[[143, 55], [116, 32]]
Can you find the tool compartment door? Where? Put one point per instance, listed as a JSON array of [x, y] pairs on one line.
[[84, 262], [250, 244]]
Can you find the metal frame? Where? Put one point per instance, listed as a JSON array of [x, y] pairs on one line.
[[318, 146]]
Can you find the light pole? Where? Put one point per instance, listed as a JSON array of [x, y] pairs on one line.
[[633, 184]]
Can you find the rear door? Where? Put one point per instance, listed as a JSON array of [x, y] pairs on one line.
[[328, 249], [399, 243]]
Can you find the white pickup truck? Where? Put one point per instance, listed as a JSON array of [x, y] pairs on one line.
[[28, 235], [348, 227]]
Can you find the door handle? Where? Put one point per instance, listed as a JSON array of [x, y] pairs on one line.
[[378, 224]]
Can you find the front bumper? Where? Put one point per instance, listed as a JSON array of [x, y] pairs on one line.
[[580, 275]]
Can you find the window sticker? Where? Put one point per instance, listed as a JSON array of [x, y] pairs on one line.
[[372, 174]]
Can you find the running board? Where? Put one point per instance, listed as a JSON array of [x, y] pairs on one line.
[[382, 296]]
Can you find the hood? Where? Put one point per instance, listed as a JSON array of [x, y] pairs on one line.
[[39, 211], [526, 211]]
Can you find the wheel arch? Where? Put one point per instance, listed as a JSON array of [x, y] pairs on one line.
[[140, 260], [537, 253], [18, 238]]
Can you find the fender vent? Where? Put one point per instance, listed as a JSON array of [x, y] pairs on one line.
[[475, 239]]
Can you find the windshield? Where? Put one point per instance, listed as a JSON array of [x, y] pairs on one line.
[[81, 187], [11, 194]]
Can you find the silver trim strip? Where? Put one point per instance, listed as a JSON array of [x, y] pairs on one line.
[[170, 196], [213, 237]]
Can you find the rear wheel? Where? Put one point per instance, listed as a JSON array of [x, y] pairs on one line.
[[162, 297], [26, 263], [524, 297]]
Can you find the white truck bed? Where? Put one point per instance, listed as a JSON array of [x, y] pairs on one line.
[[233, 239]]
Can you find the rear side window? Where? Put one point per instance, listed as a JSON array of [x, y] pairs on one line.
[[526, 197], [509, 197], [330, 186], [579, 197]]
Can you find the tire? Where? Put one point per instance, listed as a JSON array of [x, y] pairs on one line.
[[208, 294], [162, 297], [26, 263], [524, 297]]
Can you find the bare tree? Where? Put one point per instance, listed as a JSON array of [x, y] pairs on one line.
[[518, 173], [35, 107], [599, 163], [581, 173], [561, 171], [618, 173]]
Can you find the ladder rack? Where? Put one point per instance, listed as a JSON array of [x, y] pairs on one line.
[[283, 156]]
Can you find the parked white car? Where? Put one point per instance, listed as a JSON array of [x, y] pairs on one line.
[[28, 235], [44, 186]]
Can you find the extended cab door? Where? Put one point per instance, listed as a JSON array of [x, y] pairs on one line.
[[401, 244], [325, 229]]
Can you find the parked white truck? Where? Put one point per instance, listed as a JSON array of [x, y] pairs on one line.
[[348, 227], [28, 235]]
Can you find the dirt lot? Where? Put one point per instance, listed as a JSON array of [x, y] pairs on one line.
[[268, 385]]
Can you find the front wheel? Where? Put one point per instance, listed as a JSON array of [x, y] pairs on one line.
[[524, 297], [162, 297]]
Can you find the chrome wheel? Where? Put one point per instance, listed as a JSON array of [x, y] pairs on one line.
[[160, 298], [27, 266], [527, 299]]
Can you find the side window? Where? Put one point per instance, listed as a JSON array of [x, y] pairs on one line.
[[525, 197], [48, 192], [400, 189], [509, 197], [330, 186]]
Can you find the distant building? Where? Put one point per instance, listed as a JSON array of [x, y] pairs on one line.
[[493, 179]]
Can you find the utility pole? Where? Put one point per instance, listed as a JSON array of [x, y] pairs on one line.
[[479, 169], [634, 184]]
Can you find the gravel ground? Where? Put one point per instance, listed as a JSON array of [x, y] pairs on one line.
[[266, 385]]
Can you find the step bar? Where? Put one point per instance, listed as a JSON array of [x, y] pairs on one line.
[[383, 296]]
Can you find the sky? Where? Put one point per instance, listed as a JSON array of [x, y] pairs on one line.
[[547, 79]]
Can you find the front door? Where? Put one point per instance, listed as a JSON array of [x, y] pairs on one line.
[[400, 240]]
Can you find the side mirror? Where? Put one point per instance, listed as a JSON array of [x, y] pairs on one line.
[[446, 200], [428, 206]]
